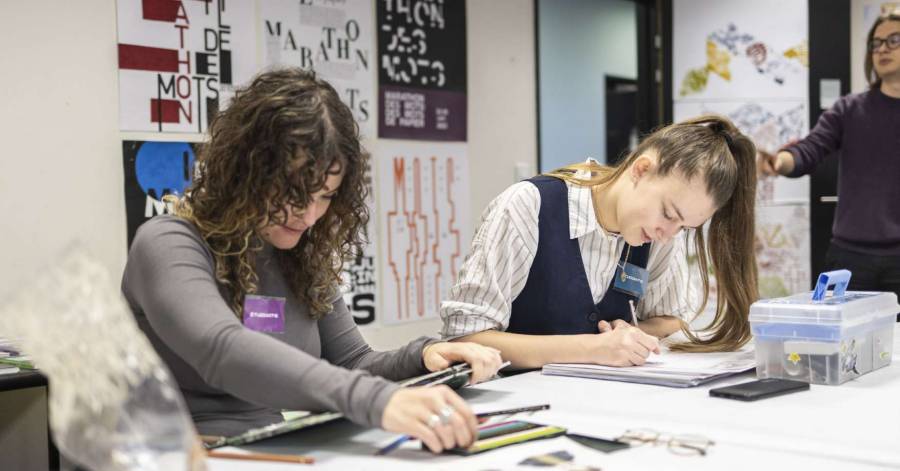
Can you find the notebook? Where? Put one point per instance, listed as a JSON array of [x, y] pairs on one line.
[[674, 369]]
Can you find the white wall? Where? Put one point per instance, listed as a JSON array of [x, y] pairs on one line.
[[61, 174], [581, 41]]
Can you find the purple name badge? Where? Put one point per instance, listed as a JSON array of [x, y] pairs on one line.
[[264, 313]]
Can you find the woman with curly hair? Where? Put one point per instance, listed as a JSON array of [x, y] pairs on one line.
[[239, 290]]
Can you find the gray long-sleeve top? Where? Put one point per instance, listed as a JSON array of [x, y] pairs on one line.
[[234, 378]]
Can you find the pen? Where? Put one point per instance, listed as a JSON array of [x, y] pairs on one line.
[[633, 316], [261, 457], [513, 411], [393, 445]]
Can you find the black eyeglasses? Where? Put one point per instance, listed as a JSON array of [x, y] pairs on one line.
[[892, 41]]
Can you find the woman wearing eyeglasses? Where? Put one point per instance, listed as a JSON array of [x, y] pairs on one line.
[[866, 129]]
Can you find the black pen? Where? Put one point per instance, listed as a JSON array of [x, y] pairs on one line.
[[513, 411]]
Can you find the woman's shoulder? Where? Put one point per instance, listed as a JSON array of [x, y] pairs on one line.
[[523, 193], [165, 232], [165, 224]]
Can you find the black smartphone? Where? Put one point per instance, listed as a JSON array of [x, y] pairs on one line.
[[759, 389], [599, 444]]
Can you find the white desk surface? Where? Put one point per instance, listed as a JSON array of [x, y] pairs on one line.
[[852, 426]]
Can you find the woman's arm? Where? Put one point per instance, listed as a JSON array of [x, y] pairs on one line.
[[344, 345], [661, 326], [619, 347], [169, 278], [496, 269]]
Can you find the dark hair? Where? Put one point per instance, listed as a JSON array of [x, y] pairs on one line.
[[886, 15], [273, 147], [710, 147]]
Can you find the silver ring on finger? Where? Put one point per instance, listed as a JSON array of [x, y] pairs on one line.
[[446, 412], [433, 421]]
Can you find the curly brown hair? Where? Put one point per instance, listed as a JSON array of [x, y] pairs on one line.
[[271, 149]]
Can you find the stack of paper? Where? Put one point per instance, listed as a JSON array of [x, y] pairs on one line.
[[675, 369]]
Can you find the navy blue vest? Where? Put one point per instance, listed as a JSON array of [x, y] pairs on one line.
[[556, 298]]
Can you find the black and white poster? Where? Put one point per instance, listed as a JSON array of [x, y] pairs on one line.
[[422, 69]]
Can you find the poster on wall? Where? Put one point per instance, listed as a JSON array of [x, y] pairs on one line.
[[152, 171], [334, 38], [425, 229], [743, 62], [422, 69], [179, 62], [752, 66], [359, 278]]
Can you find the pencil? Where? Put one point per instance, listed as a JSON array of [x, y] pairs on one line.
[[261, 457], [513, 411], [393, 445]]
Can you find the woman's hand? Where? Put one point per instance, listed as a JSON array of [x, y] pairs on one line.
[[621, 344], [435, 415], [485, 361]]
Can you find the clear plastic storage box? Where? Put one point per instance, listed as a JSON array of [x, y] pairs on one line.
[[823, 342]]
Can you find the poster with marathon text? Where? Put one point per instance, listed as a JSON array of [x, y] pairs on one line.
[[333, 38], [422, 69]]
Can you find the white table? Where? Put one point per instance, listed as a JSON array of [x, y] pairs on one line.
[[852, 426]]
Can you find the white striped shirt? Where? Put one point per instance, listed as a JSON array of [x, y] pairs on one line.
[[505, 246]]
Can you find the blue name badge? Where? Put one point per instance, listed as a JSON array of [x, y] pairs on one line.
[[631, 280]]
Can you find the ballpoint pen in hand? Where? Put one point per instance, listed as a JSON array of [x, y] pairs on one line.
[[633, 315]]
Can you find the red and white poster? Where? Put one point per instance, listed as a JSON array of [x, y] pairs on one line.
[[179, 61], [425, 230]]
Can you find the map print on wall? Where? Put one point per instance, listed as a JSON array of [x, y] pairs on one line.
[[747, 63], [782, 249], [423, 193], [771, 125], [729, 43], [180, 61], [334, 38]]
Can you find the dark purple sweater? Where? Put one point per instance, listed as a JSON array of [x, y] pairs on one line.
[[866, 129]]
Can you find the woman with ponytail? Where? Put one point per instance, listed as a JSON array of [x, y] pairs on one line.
[[588, 264]]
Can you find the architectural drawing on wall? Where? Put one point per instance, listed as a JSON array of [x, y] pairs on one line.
[[180, 61], [336, 39], [782, 249], [771, 125], [423, 193], [754, 71], [730, 43]]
